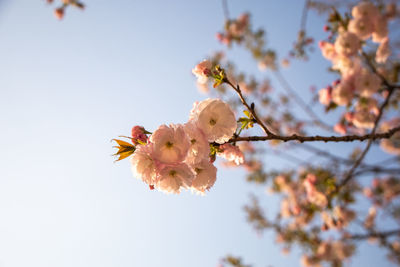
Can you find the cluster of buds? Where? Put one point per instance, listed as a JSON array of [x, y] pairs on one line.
[[357, 81]]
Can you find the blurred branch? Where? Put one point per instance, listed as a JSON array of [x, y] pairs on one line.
[[349, 175], [380, 235], [225, 9], [285, 85]]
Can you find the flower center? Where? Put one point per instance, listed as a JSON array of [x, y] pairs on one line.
[[172, 173], [193, 141], [169, 144], [213, 122], [197, 170]]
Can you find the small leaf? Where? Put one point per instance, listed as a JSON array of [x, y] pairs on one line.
[[122, 143], [125, 149], [122, 155]]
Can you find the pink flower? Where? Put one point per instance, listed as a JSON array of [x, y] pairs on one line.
[[392, 145], [231, 153], [267, 61], [203, 87], [325, 96], [199, 149], [328, 50], [244, 19], [285, 63], [202, 71], [349, 116], [383, 52], [369, 222], [367, 83], [391, 10], [138, 135], [206, 175], [265, 86], [364, 119], [59, 13], [171, 143], [347, 44], [365, 10], [362, 27], [313, 195], [381, 30], [143, 164], [342, 94], [348, 66], [340, 128], [172, 178], [215, 118]]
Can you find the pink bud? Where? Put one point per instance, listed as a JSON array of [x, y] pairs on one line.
[[326, 28], [219, 36], [59, 13], [335, 82], [138, 134], [340, 128], [349, 116]]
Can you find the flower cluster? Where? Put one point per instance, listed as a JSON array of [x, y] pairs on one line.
[[357, 81], [234, 30], [334, 252], [177, 156]]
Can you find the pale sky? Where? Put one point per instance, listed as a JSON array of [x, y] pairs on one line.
[[68, 87]]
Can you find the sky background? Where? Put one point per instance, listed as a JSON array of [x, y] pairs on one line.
[[68, 87]]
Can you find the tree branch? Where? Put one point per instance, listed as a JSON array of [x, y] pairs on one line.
[[318, 138], [380, 235]]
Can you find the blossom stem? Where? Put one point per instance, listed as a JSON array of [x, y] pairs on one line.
[[249, 107]]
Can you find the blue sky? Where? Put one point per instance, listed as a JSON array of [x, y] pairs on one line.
[[68, 87]]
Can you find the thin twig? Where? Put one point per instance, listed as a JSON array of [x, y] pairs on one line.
[[315, 119], [304, 15], [375, 234], [251, 108], [225, 9]]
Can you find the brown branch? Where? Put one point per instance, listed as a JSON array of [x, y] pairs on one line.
[[225, 9], [380, 235], [376, 170], [318, 138], [304, 15], [251, 108]]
